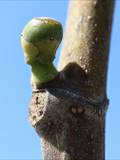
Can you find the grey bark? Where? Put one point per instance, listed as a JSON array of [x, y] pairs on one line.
[[68, 112]]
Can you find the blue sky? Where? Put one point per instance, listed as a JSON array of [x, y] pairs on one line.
[[18, 139]]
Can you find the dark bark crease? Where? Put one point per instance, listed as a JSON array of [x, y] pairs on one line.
[[69, 112], [68, 129], [71, 125]]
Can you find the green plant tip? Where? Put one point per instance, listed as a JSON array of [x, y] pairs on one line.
[[40, 39]]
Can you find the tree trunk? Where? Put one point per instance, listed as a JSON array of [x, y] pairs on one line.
[[68, 112]]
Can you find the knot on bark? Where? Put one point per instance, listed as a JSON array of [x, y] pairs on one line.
[[45, 115], [59, 101], [50, 111]]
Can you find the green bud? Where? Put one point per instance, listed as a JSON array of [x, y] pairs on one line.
[[40, 39]]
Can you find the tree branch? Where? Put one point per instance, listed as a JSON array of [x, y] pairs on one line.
[[69, 111], [87, 40]]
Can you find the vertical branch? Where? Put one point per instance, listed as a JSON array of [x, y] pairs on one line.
[[87, 40], [69, 111]]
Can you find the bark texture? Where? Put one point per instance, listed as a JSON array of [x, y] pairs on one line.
[[87, 41], [68, 112]]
